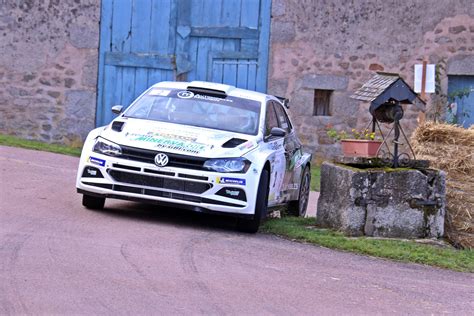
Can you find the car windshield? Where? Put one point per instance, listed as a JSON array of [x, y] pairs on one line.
[[184, 107]]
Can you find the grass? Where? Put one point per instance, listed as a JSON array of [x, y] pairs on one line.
[[12, 141], [315, 177], [304, 230]]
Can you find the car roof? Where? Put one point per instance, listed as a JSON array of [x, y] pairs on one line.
[[228, 89]]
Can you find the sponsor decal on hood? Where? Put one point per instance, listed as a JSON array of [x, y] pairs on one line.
[[179, 139], [187, 144]]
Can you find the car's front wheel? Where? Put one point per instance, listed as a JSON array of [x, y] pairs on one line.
[[251, 226], [298, 207], [93, 202]]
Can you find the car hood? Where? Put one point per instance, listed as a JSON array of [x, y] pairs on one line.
[[179, 139]]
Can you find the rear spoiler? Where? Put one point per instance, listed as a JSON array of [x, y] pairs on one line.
[[285, 101]]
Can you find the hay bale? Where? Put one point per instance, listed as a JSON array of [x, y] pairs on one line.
[[451, 148]]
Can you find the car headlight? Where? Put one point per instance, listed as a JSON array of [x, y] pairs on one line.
[[240, 165], [106, 147]]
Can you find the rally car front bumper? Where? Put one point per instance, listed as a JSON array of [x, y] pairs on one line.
[[184, 184]]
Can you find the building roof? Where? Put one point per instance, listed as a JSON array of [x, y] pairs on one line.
[[375, 86]]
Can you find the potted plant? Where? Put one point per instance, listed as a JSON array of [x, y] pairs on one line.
[[357, 143]]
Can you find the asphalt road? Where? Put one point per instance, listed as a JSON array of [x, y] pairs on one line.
[[58, 258]]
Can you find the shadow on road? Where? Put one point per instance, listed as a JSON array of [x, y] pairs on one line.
[[169, 216]]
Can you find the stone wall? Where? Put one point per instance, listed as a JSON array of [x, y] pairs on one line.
[[48, 68], [338, 45]]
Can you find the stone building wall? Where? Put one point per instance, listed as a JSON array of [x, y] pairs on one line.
[[48, 68], [338, 45]]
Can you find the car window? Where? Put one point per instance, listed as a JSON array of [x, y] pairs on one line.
[[283, 120], [270, 119], [183, 107]]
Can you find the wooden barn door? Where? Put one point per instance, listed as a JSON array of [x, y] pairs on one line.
[[143, 42], [228, 41], [136, 50]]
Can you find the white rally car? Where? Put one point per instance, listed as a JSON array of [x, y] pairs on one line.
[[203, 146]]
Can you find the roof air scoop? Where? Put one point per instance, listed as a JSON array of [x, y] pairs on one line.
[[208, 92], [212, 89]]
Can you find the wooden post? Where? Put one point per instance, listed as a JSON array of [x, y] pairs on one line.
[[423, 80], [422, 115]]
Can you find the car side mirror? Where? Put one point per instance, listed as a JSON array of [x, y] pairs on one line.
[[117, 109], [277, 132]]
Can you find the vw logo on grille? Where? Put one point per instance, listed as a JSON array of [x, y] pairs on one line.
[[161, 160]]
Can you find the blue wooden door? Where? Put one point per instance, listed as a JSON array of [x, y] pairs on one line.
[[136, 50], [461, 97], [146, 41], [228, 41]]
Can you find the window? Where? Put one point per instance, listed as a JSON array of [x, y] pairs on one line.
[[270, 119], [322, 100], [283, 120]]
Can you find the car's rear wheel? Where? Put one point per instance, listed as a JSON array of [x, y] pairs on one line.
[[93, 202], [298, 207], [252, 225]]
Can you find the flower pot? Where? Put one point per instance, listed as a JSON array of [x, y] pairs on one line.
[[360, 147]]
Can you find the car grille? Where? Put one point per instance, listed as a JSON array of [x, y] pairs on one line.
[[159, 182], [149, 192], [175, 160]]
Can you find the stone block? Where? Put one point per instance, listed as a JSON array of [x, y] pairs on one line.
[[79, 111], [54, 94], [278, 87], [457, 29], [82, 36], [344, 65], [404, 203], [278, 8], [79, 103], [443, 40], [69, 82], [302, 102], [461, 65], [344, 106], [324, 82], [376, 67], [89, 71], [283, 32]]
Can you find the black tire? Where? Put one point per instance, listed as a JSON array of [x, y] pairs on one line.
[[252, 225], [93, 202], [298, 207]]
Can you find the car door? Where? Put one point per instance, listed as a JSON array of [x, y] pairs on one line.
[[292, 147], [275, 145]]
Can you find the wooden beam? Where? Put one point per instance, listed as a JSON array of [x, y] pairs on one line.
[[225, 32], [157, 61]]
